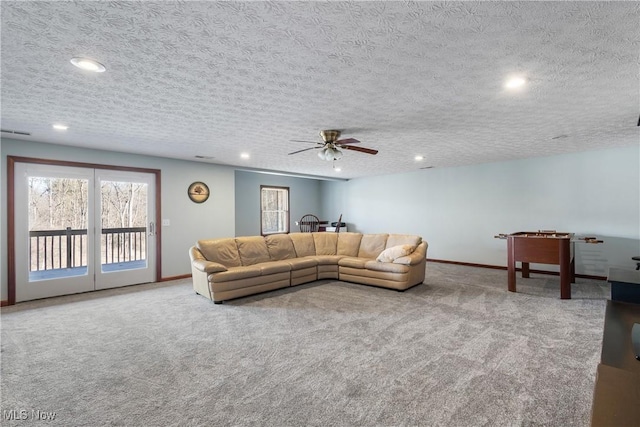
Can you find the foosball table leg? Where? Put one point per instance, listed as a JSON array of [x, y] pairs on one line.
[[525, 270]]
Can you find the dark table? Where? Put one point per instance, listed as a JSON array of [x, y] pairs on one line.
[[542, 247]]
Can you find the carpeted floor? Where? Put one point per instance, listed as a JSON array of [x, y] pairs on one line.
[[458, 350]]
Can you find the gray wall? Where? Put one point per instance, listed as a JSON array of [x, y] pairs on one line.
[[189, 221], [459, 210], [304, 197]]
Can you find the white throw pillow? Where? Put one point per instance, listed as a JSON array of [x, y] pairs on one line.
[[394, 252]]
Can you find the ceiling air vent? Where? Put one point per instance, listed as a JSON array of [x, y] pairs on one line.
[[204, 157], [15, 132], [427, 167]]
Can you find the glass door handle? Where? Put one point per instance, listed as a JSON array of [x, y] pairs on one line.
[[152, 228]]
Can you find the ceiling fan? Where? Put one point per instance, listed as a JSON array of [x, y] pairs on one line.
[[329, 149]]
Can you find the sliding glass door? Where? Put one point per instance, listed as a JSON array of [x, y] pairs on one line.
[[126, 231], [81, 229]]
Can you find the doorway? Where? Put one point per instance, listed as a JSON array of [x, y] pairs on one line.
[[82, 227]]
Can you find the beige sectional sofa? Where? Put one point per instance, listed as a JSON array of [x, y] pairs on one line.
[[228, 268]]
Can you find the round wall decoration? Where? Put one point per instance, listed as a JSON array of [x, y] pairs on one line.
[[198, 192]]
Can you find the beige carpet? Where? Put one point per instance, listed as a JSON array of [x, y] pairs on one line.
[[457, 351]]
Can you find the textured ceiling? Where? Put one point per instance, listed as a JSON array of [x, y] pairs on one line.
[[220, 78]]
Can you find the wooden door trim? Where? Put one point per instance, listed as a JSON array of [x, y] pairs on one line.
[[11, 250]]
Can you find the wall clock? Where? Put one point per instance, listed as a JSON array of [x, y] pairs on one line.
[[198, 192]]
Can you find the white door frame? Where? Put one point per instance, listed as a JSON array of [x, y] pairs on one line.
[[12, 161], [27, 289], [118, 278]]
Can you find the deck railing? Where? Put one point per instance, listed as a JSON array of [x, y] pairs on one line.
[[55, 249]]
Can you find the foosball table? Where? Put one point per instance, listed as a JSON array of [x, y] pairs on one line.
[[543, 247]]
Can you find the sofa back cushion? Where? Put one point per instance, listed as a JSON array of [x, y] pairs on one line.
[[223, 251], [349, 244], [280, 246], [403, 239], [303, 244], [252, 250], [371, 245], [326, 243]]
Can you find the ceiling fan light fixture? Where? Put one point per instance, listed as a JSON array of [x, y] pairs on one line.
[[330, 154]]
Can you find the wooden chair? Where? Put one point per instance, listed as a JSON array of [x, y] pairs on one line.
[[309, 223], [338, 224]]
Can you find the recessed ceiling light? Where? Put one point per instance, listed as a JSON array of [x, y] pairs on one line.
[[244, 155], [337, 169], [59, 126], [515, 82], [419, 158], [88, 64]]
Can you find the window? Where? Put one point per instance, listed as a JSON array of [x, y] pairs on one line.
[[274, 210]]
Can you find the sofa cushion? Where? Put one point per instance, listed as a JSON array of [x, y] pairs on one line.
[[353, 262], [403, 239], [236, 273], [394, 252], [348, 243], [252, 250], [326, 243], [327, 259], [303, 244], [280, 246], [273, 267], [222, 251], [301, 263], [371, 245], [385, 266]]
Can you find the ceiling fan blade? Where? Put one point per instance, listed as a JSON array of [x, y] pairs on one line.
[[347, 141], [310, 142], [304, 149], [360, 149]]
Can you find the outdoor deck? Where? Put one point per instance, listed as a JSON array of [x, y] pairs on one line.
[[58, 273]]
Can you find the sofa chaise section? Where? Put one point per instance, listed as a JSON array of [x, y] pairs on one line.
[[400, 273]]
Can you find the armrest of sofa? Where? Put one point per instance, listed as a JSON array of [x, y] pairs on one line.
[[416, 257], [200, 263], [208, 266]]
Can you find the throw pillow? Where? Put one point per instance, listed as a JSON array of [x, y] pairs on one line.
[[394, 252]]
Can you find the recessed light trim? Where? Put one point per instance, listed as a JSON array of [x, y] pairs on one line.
[[419, 158], [59, 126], [244, 155], [88, 64]]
